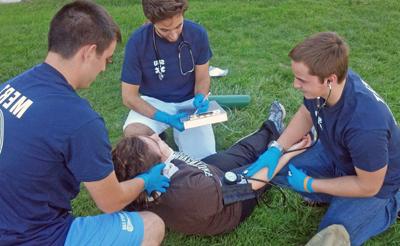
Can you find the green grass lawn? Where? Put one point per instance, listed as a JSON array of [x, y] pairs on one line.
[[252, 38]]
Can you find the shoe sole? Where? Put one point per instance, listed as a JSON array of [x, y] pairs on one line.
[[283, 111]]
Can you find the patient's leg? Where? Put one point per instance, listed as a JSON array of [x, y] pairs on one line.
[[249, 148], [246, 150]]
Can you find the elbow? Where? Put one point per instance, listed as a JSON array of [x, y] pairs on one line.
[[370, 191], [373, 192], [129, 101], [125, 101]]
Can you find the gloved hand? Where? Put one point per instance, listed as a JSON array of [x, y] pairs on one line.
[[200, 103], [154, 180], [172, 120], [299, 180], [268, 159]]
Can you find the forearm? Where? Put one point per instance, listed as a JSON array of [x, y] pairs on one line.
[[129, 191], [299, 126], [202, 79], [139, 105], [346, 186], [202, 86], [131, 99], [111, 195]]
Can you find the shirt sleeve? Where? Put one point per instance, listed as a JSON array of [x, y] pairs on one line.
[[131, 69], [89, 152], [369, 149], [205, 52]]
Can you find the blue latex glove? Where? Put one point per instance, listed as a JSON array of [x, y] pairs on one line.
[[268, 159], [154, 180], [172, 120], [299, 180], [200, 103]]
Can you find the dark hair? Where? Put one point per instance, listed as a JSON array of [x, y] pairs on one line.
[[158, 10], [324, 54], [132, 156], [80, 23]]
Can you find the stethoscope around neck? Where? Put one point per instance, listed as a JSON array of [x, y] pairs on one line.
[[181, 46], [323, 105], [316, 133]]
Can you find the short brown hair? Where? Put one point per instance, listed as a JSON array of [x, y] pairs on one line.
[[131, 156], [158, 10], [80, 23], [324, 54]]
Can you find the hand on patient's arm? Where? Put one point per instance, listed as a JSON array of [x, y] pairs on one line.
[[262, 174], [269, 160]]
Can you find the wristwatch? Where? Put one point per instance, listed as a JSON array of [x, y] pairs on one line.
[[275, 144]]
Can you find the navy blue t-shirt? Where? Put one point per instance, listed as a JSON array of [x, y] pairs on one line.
[[50, 141], [140, 63], [360, 131]]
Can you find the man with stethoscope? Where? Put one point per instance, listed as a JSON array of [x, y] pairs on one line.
[[355, 165], [165, 71]]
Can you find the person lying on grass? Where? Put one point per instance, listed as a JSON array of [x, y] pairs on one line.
[[193, 204]]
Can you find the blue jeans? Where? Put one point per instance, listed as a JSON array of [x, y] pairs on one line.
[[363, 218]]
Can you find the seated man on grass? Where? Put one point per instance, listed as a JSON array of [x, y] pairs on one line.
[[194, 202]]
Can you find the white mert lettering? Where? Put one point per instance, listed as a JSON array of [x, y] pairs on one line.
[[4, 88], [6, 94], [11, 100], [21, 106], [9, 97]]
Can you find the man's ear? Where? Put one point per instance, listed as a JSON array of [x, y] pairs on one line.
[[332, 79], [88, 52]]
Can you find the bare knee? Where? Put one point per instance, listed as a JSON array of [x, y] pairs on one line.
[[154, 229], [137, 129]]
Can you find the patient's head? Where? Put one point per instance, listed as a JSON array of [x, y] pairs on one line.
[[132, 156]]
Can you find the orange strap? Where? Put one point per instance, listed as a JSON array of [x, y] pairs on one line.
[[305, 184]]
